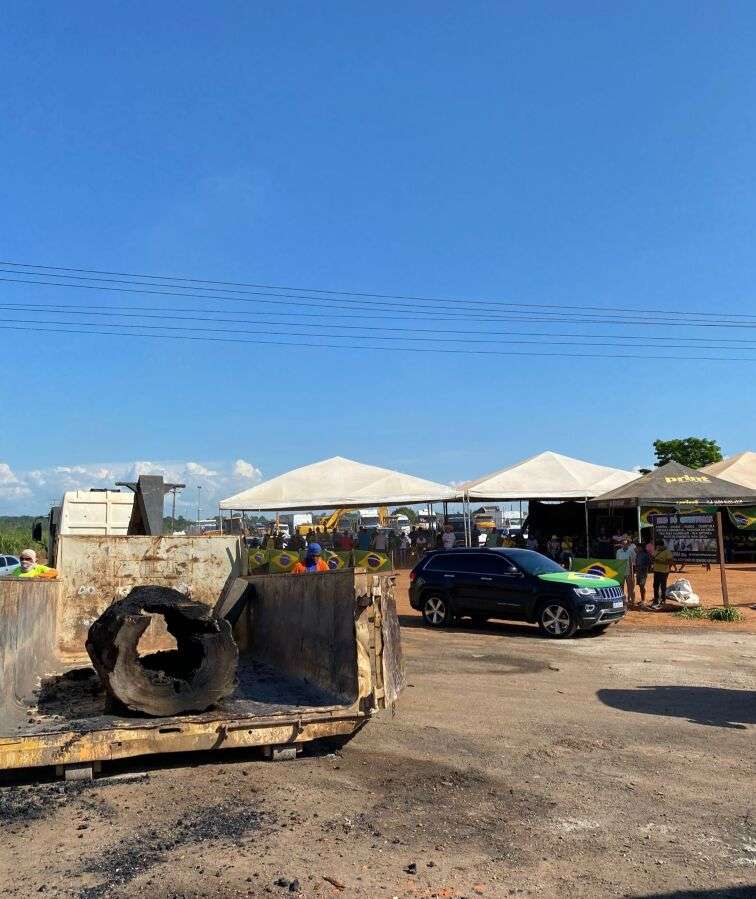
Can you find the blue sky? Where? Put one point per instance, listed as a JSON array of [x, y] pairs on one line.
[[544, 153]]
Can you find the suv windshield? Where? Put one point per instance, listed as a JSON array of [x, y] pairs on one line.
[[533, 562]]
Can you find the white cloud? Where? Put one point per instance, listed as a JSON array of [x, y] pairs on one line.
[[7, 475], [246, 470], [199, 471], [32, 492]]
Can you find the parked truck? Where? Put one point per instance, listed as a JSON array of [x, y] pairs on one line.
[[318, 655]]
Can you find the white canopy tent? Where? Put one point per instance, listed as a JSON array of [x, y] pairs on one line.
[[738, 469], [548, 476], [337, 483]]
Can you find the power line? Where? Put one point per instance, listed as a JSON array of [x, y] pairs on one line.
[[579, 318], [310, 345], [362, 294], [450, 336]]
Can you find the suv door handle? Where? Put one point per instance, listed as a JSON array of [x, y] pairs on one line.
[[448, 575], [486, 578]]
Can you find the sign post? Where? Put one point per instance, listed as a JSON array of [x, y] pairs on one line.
[[722, 571]]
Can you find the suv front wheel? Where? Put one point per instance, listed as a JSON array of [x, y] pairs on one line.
[[556, 620], [436, 612]]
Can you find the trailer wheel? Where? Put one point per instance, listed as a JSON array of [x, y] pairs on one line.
[[436, 611]]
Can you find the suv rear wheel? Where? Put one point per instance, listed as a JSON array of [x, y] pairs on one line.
[[556, 620], [436, 612]]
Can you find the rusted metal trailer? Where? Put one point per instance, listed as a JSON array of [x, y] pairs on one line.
[[318, 654]]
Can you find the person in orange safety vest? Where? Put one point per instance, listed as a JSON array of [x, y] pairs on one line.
[[312, 561]]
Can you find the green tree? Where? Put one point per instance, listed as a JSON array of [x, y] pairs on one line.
[[695, 452], [410, 513]]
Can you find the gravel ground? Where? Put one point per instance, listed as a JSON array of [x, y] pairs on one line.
[[617, 765]]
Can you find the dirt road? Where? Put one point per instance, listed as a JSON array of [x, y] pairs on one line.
[[620, 765]]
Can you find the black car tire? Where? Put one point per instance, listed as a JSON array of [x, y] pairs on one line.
[[556, 620], [436, 611]]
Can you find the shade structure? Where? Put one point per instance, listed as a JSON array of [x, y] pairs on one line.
[[337, 483], [676, 484], [548, 476], [739, 469]]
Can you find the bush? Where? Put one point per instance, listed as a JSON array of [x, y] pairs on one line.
[[719, 614], [692, 612], [724, 613], [13, 540]]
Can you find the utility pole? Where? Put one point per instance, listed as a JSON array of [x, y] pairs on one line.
[[199, 494], [173, 511]]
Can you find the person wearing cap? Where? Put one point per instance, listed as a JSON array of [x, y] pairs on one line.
[[312, 561], [28, 567]]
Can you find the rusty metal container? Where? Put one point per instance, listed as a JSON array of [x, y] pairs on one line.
[[318, 654]]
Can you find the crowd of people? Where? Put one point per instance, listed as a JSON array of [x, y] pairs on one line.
[[406, 548], [641, 558]]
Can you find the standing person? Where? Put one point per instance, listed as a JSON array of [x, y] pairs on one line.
[[380, 543], [565, 554], [643, 560], [404, 548], [626, 553], [422, 543], [448, 538], [662, 563], [363, 538], [532, 543], [553, 547]]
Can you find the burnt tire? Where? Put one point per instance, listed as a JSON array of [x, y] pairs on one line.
[[436, 611], [556, 620], [191, 678]]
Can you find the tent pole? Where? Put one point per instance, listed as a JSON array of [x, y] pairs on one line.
[[722, 571], [587, 536], [639, 525]]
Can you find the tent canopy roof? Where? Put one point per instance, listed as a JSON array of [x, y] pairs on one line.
[[335, 484], [739, 469], [548, 476], [675, 483]]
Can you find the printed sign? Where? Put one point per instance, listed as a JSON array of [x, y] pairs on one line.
[[690, 536]]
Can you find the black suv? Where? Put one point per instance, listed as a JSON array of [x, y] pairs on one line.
[[516, 584]]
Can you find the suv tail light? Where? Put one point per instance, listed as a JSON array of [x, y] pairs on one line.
[[413, 575]]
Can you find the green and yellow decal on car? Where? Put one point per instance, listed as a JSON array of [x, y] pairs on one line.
[[578, 579]]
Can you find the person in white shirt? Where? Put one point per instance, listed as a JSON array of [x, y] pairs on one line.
[[626, 553], [448, 538]]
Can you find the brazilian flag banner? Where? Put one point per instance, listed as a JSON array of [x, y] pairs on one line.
[[337, 561], [744, 518], [613, 568], [257, 559], [281, 561], [372, 560]]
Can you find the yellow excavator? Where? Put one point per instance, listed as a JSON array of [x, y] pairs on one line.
[[326, 523], [330, 522]]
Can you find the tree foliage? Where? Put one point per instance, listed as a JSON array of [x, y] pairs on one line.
[[695, 452], [410, 513]]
